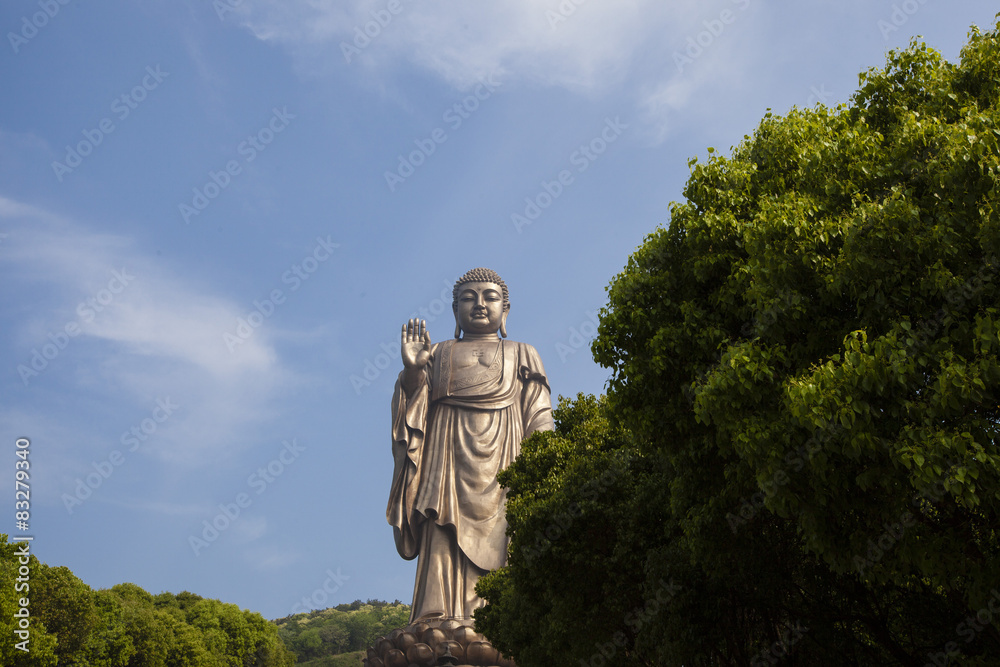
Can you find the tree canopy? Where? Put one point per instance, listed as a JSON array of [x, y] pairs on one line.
[[318, 636], [124, 626], [806, 361]]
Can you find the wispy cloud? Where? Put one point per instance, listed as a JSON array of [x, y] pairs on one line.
[[250, 528], [166, 508], [270, 557], [585, 46], [578, 45], [144, 333]]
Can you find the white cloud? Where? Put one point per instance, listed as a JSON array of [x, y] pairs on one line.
[[270, 557], [144, 334], [166, 508], [663, 58], [659, 103], [10, 209], [578, 44], [249, 528]]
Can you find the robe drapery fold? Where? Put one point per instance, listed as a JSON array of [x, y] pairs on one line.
[[450, 438]]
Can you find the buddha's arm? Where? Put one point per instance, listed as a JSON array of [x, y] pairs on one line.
[[409, 423], [536, 401], [536, 406], [412, 378]]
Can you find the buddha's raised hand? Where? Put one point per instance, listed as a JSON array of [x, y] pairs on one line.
[[415, 344]]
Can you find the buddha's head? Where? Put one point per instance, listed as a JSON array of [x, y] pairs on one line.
[[480, 302]]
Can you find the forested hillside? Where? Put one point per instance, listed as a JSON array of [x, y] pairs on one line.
[[336, 637], [124, 626]]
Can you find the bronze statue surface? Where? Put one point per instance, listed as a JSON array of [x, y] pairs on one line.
[[460, 410]]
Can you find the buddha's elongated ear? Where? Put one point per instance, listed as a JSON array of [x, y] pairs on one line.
[[503, 324]]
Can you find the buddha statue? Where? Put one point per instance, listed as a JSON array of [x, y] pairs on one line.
[[460, 410]]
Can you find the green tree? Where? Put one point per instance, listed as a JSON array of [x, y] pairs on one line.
[[266, 647], [363, 628], [337, 637], [568, 588], [150, 631], [109, 645], [186, 648], [807, 362], [309, 644], [41, 642], [125, 626], [318, 636], [66, 606], [234, 637]]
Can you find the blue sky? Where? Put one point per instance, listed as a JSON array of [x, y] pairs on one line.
[[215, 216]]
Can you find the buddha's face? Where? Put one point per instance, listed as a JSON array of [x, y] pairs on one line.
[[480, 307]]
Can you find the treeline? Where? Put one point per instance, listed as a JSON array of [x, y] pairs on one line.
[[319, 638], [124, 626]]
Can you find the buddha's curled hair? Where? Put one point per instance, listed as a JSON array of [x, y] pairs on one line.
[[484, 275]]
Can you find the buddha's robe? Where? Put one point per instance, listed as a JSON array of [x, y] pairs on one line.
[[450, 438]]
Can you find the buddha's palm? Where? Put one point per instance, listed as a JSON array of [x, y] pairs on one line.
[[415, 344]]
